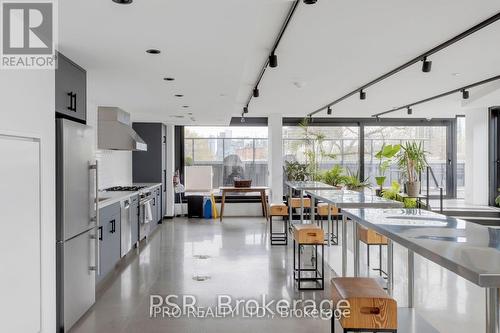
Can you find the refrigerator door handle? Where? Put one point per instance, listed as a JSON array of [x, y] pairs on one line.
[[95, 219]]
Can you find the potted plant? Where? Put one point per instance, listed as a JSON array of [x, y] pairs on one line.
[[296, 171], [335, 176], [385, 156], [354, 183], [412, 162]]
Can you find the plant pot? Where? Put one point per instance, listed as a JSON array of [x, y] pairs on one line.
[[378, 192], [413, 189]]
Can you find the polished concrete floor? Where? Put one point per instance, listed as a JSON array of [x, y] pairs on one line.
[[242, 265]]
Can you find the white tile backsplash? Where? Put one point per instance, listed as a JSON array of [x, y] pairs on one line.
[[115, 168]]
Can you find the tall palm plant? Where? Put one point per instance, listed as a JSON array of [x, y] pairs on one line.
[[412, 161]]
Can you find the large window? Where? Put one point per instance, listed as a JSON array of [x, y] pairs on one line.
[[340, 145], [232, 152], [433, 139]]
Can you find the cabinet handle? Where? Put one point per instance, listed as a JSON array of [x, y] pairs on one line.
[[112, 226], [100, 233], [70, 107], [74, 102]]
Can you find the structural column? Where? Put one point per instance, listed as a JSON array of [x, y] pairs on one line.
[[476, 152], [275, 134], [170, 169]]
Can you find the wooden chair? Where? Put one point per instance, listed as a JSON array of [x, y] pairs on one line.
[[278, 238], [371, 308], [308, 235]]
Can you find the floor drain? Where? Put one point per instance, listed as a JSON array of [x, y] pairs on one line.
[[201, 278], [201, 256]]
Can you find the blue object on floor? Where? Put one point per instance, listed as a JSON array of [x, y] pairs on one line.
[[207, 208]]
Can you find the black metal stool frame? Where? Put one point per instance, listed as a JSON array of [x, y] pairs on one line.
[[279, 238], [319, 277]]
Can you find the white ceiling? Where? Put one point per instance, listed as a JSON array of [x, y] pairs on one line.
[[215, 49]]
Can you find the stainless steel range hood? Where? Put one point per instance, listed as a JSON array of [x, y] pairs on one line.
[[115, 132]]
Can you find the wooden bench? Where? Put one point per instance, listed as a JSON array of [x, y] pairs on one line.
[[296, 202], [278, 238], [371, 308], [308, 235], [372, 238]]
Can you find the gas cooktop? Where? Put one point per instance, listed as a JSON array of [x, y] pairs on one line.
[[124, 188]]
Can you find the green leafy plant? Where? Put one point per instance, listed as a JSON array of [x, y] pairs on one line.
[[497, 199], [412, 161], [354, 183], [392, 192], [385, 156], [335, 176], [188, 161], [296, 171]]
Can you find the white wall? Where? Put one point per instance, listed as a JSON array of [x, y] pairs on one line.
[[27, 107], [275, 131], [476, 152]]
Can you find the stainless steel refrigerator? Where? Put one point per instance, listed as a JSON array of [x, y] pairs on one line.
[[76, 223]]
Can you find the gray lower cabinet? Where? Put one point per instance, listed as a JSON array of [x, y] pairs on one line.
[[70, 89], [109, 239], [134, 216]]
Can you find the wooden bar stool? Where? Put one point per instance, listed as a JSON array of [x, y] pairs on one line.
[[296, 203], [372, 238], [371, 308], [278, 238], [322, 211], [308, 235]]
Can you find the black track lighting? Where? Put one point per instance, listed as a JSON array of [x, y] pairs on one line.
[[426, 65], [329, 110], [123, 2], [465, 94], [256, 92], [242, 119], [245, 109], [362, 95], [273, 60], [310, 2], [410, 111], [153, 51]]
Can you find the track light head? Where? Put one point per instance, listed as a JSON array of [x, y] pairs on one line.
[[242, 119], [410, 111], [256, 92], [329, 111], [273, 60], [426, 65], [465, 94], [245, 109], [377, 118], [310, 2], [362, 95]]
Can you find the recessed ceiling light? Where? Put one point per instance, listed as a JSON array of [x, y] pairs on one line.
[[455, 74], [185, 106], [168, 79], [153, 51], [190, 113], [179, 95], [123, 2]]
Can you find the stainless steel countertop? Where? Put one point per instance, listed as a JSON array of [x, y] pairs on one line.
[[352, 199], [468, 249], [108, 198], [308, 185]]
